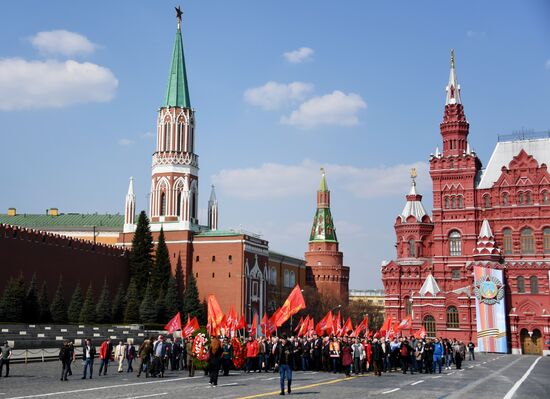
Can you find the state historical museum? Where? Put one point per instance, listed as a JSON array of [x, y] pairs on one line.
[[478, 269]]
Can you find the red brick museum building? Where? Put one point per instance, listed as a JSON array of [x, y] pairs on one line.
[[483, 257]]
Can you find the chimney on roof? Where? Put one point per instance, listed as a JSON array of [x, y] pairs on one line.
[[12, 212], [52, 212]]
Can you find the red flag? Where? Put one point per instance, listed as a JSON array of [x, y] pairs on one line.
[[337, 324], [299, 326], [293, 304], [263, 325], [303, 327], [310, 327], [386, 325], [364, 325], [174, 324], [215, 315], [406, 322], [231, 320], [421, 333], [191, 326], [347, 327], [254, 327], [241, 323], [270, 325], [324, 324]]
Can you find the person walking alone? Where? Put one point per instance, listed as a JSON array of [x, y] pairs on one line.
[[214, 355], [88, 354], [284, 360], [120, 355], [144, 354], [471, 347], [105, 351], [65, 356], [438, 352], [130, 356]]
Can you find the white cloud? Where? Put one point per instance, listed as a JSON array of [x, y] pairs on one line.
[[300, 55], [274, 95], [337, 108], [62, 42], [53, 84], [125, 142], [547, 65], [147, 135], [272, 180]]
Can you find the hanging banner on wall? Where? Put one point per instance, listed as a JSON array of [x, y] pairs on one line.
[[490, 310]]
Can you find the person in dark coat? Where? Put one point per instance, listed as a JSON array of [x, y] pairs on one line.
[[317, 350], [227, 356], [405, 356], [214, 356], [130, 356], [377, 356], [88, 355], [66, 356], [428, 356], [284, 360]]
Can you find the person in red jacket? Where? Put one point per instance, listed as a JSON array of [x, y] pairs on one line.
[[368, 352], [251, 354], [105, 351]]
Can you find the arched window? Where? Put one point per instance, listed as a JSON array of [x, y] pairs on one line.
[[453, 202], [521, 284], [446, 202], [194, 205], [273, 276], [455, 243], [520, 198], [544, 197], [528, 197], [162, 210], [408, 306], [534, 282], [292, 280], [505, 199], [429, 325], [460, 202], [452, 317], [412, 252], [527, 242], [178, 204], [166, 136], [507, 242], [546, 232], [486, 202]]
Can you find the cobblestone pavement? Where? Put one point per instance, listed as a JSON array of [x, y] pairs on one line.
[[490, 376]]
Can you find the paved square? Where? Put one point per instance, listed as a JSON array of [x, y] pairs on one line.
[[490, 376]]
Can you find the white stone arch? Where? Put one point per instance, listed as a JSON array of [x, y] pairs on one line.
[[177, 197], [194, 199]]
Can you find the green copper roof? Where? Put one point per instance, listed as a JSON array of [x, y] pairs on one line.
[[323, 226], [177, 92], [69, 221], [218, 233]]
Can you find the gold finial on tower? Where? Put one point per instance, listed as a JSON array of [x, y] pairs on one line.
[[413, 173], [323, 171], [453, 58], [179, 13]]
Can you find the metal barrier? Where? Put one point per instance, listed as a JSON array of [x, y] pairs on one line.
[[38, 355]]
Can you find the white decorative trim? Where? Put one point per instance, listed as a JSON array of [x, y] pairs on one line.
[[186, 158]]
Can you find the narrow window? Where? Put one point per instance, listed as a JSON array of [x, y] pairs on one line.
[[460, 201], [452, 317], [521, 284], [429, 325], [446, 202], [546, 232], [520, 198], [213, 258], [162, 204], [534, 282], [504, 199], [412, 252], [507, 242], [486, 203]]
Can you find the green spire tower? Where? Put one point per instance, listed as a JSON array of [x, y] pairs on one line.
[[323, 225], [177, 91]]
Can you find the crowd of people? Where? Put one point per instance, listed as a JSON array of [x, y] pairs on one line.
[[283, 354]]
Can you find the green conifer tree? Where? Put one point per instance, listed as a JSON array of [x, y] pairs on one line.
[[141, 256], [87, 314], [160, 306], [162, 269], [180, 281], [13, 300], [75, 307], [103, 308], [147, 310], [58, 309], [31, 308], [172, 299], [191, 302], [131, 311], [119, 304], [44, 304]]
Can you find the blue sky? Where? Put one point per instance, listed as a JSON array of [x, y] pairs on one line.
[[364, 98]]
